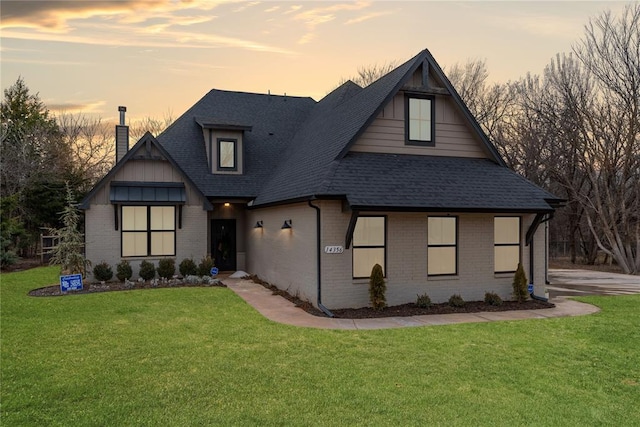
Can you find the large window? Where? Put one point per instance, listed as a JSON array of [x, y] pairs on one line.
[[442, 245], [506, 235], [148, 230], [420, 120], [369, 238], [227, 155]]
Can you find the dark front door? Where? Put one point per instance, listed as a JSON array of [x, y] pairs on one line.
[[223, 243]]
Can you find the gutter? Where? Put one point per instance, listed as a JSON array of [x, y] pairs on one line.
[[319, 264]]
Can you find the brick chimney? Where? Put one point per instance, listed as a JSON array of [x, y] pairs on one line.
[[122, 136]]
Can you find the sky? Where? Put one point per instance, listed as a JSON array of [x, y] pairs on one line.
[[159, 57]]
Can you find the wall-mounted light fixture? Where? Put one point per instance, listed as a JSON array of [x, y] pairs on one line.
[[226, 205], [258, 224], [286, 225]]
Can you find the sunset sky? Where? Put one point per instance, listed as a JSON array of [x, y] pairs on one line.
[[159, 57]]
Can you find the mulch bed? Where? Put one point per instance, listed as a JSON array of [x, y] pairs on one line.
[[404, 310], [89, 288]]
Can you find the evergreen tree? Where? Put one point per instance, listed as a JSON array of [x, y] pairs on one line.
[[68, 253]]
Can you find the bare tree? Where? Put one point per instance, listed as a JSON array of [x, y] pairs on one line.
[[370, 73], [139, 127]]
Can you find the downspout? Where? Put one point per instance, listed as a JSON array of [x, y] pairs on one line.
[[319, 264]]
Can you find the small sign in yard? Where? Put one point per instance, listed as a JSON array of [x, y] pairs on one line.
[[214, 271], [72, 282], [530, 288]]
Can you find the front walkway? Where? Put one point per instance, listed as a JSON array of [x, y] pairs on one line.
[[280, 310]]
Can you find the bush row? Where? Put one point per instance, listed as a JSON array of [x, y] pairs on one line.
[[456, 300], [166, 269]]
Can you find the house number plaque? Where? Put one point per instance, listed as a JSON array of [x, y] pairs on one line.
[[333, 249]]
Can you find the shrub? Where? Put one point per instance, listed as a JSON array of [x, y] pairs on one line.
[[188, 267], [456, 301], [205, 266], [423, 301], [377, 288], [166, 268], [520, 291], [102, 272], [492, 298], [124, 271], [147, 270]]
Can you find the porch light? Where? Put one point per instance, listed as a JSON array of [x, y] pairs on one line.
[[286, 225], [226, 205], [258, 224]]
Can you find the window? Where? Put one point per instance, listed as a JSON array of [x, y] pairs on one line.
[[227, 156], [148, 230], [420, 119], [369, 238], [506, 236], [442, 245]]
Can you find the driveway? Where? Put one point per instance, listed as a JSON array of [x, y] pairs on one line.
[[587, 282]]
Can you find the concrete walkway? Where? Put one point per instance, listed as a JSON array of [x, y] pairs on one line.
[[280, 310]]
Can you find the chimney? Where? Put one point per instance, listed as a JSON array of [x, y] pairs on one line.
[[122, 136]]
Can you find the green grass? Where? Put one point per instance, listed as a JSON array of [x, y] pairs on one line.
[[201, 356]]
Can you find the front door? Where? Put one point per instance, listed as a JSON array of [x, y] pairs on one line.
[[223, 243]]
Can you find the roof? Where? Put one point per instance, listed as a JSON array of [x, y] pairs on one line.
[[372, 181], [298, 149]]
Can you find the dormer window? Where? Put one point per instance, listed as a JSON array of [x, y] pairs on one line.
[[227, 154], [420, 120]]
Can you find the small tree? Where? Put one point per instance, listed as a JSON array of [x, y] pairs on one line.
[[68, 254], [520, 291], [377, 288], [124, 271]]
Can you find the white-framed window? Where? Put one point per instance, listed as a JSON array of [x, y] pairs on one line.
[[227, 154], [442, 245], [507, 240], [369, 245], [148, 231], [420, 120]]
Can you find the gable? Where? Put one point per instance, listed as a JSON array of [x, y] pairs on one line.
[[453, 135]]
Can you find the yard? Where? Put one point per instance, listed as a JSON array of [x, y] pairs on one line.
[[201, 356]]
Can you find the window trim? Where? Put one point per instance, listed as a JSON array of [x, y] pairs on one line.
[[519, 244], [235, 154], [384, 246], [149, 231], [418, 142], [455, 245]]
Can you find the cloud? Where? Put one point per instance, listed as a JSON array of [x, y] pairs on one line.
[[315, 17], [44, 62], [367, 17], [74, 107]]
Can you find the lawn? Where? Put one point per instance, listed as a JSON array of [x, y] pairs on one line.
[[202, 356]]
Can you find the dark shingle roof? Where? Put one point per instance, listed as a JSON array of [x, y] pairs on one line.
[[413, 182]]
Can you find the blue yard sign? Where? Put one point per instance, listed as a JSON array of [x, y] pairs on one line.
[[530, 288], [214, 271], [72, 282]]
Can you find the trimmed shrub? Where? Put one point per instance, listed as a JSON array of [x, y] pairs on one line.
[[423, 301], [492, 298], [188, 267], [102, 272], [377, 288], [520, 291], [205, 266], [456, 301], [166, 268], [147, 270], [124, 271]]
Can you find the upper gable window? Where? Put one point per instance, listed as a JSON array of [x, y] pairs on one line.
[[420, 120], [227, 154]]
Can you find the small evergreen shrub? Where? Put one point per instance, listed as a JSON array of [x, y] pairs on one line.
[[423, 301], [102, 272], [205, 266], [166, 268], [377, 288], [124, 271], [147, 270], [188, 267], [456, 301], [492, 298], [520, 291]]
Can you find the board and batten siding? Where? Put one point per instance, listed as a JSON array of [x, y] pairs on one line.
[[453, 138]]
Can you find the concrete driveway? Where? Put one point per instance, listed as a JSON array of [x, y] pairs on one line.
[[587, 282]]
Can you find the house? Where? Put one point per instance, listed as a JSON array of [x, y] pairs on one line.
[[310, 195]]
